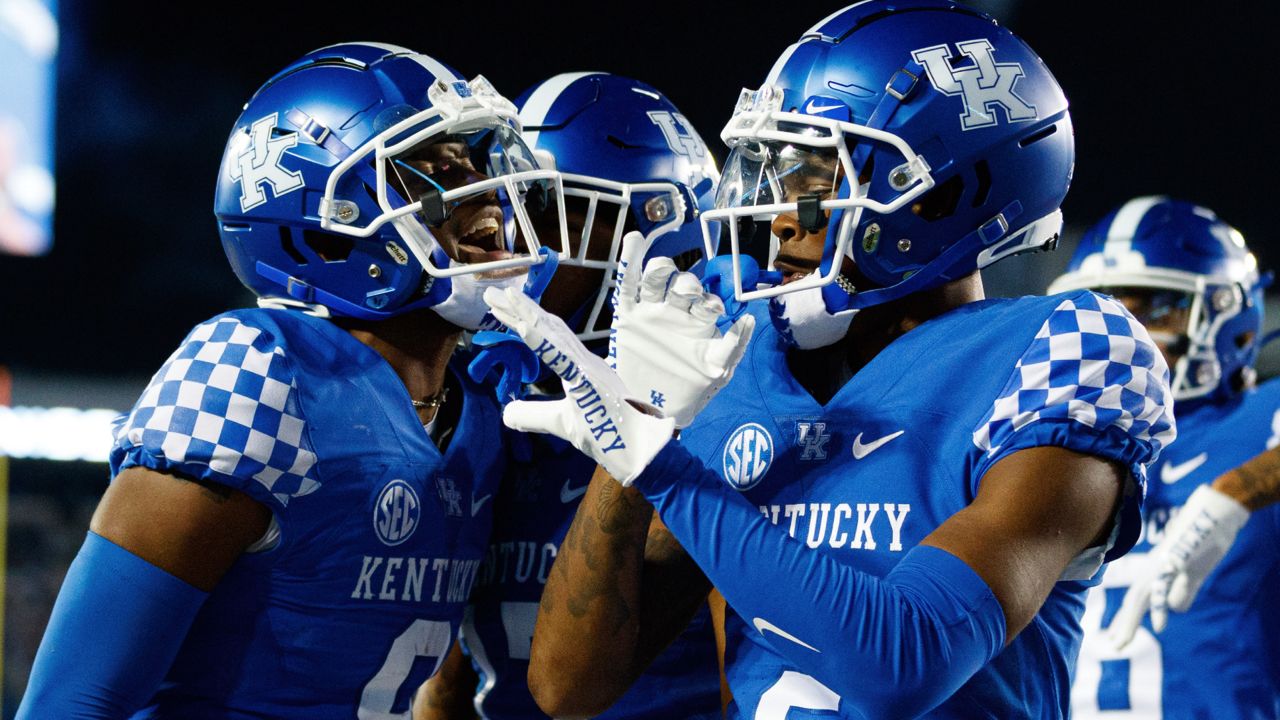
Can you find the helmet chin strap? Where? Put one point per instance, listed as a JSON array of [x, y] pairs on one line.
[[804, 322], [818, 317], [463, 304]]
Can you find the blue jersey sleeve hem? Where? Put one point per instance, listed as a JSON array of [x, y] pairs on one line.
[[1111, 443], [138, 456], [658, 474]]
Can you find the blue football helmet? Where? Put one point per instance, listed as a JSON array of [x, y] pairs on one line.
[[628, 157], [922, 139], [367, 180], [1210, 278]]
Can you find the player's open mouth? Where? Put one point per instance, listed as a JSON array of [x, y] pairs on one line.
[[481, 241], [793, 269], [480, 234]]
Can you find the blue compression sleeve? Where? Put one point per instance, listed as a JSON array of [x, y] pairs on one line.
[[113, 634], [895, 646]]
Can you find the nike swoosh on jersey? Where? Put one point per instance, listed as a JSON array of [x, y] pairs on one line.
[[475, 506], [569, 493], [763, 625], [1170, 473], [860, 451]]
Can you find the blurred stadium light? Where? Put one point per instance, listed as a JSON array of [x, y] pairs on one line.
[[60, 433], [28, 47]]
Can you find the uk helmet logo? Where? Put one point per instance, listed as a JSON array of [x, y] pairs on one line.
[[679, 134], [747, 456], [982, 86], [397, 512], [259, 162]]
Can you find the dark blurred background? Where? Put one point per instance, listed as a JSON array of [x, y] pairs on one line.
[[1164, 100]]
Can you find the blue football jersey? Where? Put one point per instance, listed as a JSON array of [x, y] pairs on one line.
[[377, 537], [544, 484], [903, 446], [1215, 660]]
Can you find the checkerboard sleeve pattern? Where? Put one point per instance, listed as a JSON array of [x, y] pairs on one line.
[[226, 401], [1093, 363]]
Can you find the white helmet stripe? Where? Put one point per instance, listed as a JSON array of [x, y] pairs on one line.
[[776, 70], [394, 49], [535, 109], [435, 67], [1120, 234], [831, 17]]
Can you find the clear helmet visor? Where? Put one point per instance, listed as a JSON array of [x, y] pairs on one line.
[[792, 179], [1165, 313], [766, 182], [1183, 326], [458, 184]]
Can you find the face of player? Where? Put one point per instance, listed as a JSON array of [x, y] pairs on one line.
[[802, 172], [1166, 314], [473, 232], [574, 286]]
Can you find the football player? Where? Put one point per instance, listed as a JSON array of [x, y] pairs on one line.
[[632, 163], [906, 490], [292, 529], [1188, 277]]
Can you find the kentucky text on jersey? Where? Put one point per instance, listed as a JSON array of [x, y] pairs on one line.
[[450, 576], [903, 446], [832, 516], [352, 605], [518, 561]]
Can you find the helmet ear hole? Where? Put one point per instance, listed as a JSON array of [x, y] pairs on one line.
[[941, 201], [286, 244], [1244, 339], [983, 172], [330, 247], [1038, 135]]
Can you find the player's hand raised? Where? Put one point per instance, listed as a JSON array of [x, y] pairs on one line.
[[664, 342], [597, 414], [1194, 543]]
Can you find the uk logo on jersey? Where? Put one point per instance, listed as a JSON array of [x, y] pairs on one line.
[[747, 456], [449, 496], [259, 162], [813, 437], [982, 86], [396, 514]]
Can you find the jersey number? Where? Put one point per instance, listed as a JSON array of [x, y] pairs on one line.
[[423, 638], [518, 619], [795, 691], [1106, 679]]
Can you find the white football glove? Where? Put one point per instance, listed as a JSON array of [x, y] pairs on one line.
[[1194, 543], [596, 415], [664, 342]]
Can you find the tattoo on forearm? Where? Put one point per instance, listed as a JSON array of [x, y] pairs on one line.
[[1258, 481], [621, 510], [662, 544], [588, 568]]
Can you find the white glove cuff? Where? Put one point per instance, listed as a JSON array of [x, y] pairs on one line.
[[1224, 509]]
